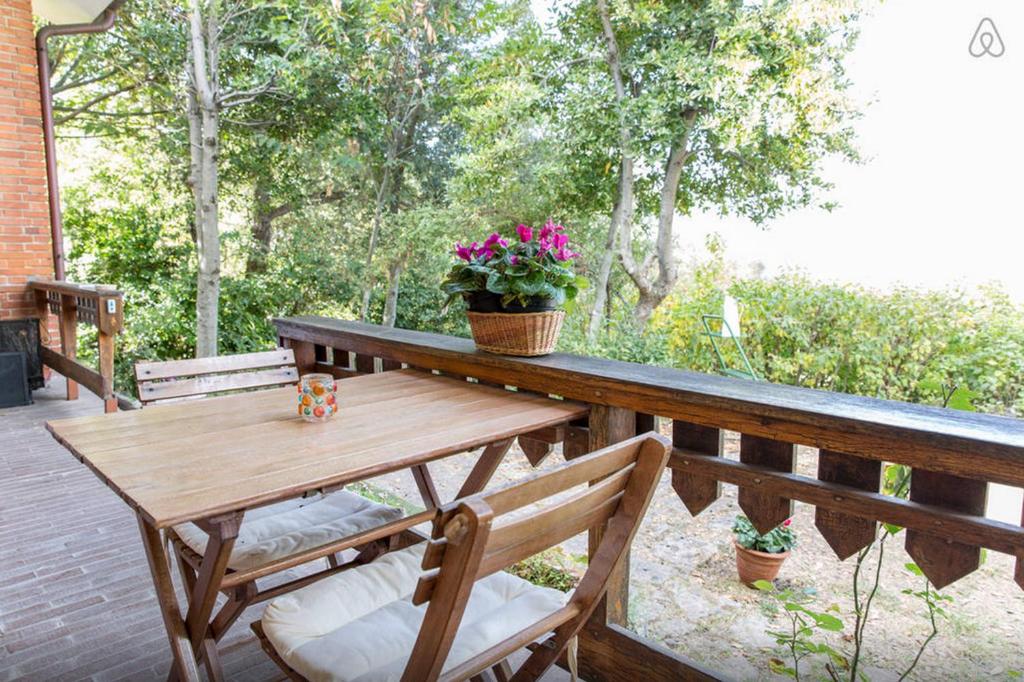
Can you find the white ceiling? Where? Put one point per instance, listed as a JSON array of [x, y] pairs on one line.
[[69, 11]]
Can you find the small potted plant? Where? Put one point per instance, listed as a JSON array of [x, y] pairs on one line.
[[759, 557], [516, 290]]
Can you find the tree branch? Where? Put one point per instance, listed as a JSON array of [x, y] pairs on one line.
[[76, 111]]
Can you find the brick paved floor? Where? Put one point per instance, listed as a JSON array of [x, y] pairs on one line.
[[76, 598]]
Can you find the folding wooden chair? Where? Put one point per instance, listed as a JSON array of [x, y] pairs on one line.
[[364, 624], [274, 531]]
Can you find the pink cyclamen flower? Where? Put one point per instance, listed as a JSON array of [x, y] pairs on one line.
[[787, 522], [559, 241], [463, 252], [495, 238], [513, 259], [565, 254], [525, 232]]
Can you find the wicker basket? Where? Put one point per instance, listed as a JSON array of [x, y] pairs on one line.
[[523, 334]]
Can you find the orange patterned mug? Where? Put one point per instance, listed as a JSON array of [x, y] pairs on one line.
[[317, 401]]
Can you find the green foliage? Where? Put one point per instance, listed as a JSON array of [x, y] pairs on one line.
[[907, 344], [776, 541], [551, 568], [805, 624]]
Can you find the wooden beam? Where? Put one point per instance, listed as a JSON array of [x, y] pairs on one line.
[[929, 437], [611, 653], [76, 371], [995, 535]]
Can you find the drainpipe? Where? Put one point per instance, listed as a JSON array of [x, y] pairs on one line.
[[102, 23]]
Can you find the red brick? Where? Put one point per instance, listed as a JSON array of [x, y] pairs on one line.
[[24, 215]]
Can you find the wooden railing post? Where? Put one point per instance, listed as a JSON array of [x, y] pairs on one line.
[[69, 336], [305, 355], [109, 322], [610, 425], [364, 363], [106, 353], [341, 359]]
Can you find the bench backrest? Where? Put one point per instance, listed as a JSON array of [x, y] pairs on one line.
[[471, 540], [183, 379]]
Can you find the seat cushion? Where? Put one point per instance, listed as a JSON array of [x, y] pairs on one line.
[[292, 526], [360, 625]]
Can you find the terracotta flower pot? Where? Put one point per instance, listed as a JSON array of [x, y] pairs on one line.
[[753, 565]]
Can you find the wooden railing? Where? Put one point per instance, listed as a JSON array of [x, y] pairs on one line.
[[953, 456], [93, 304]]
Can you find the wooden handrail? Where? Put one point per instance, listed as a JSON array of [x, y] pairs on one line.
[[931, 436], [953, 455], [95, 304]]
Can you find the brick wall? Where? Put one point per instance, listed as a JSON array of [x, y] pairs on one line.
[[24, 219]]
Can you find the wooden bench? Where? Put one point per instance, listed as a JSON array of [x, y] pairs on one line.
[[174, 380]]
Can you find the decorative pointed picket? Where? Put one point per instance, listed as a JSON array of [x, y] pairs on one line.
[[942, 560], [696, 492], [766, 511], [846, 534]]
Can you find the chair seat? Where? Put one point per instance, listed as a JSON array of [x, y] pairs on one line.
[[360, 625], [282, 529]]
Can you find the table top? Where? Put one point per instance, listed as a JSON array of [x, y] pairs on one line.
[[191, 460]]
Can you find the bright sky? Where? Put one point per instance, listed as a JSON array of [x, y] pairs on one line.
[[937, 201]]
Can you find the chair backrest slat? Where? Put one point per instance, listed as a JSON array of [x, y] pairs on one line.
[[471, 543], [181, 379], [587, 468], [554, 522]]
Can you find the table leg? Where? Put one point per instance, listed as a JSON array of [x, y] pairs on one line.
[[485, 467], [221, 532], [159, 567], [229, 613], [426, 486]]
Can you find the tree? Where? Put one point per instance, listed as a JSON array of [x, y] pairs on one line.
[[237, 54], [725, 105]]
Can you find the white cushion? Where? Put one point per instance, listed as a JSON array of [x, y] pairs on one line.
[[360, 625], [282, 529]]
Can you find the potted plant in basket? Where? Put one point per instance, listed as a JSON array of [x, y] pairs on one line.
[[516, 290], [759, 557]]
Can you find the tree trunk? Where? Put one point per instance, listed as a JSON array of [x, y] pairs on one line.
[[262, 230], [622, 210], [371, 248], [208, 291], [204, 56], [391, 301], [195, 167], [644, 308], [655, 292]]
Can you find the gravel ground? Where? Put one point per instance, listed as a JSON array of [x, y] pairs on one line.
[[685, 594]]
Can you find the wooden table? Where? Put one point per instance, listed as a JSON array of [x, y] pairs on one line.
[[207, 461]]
